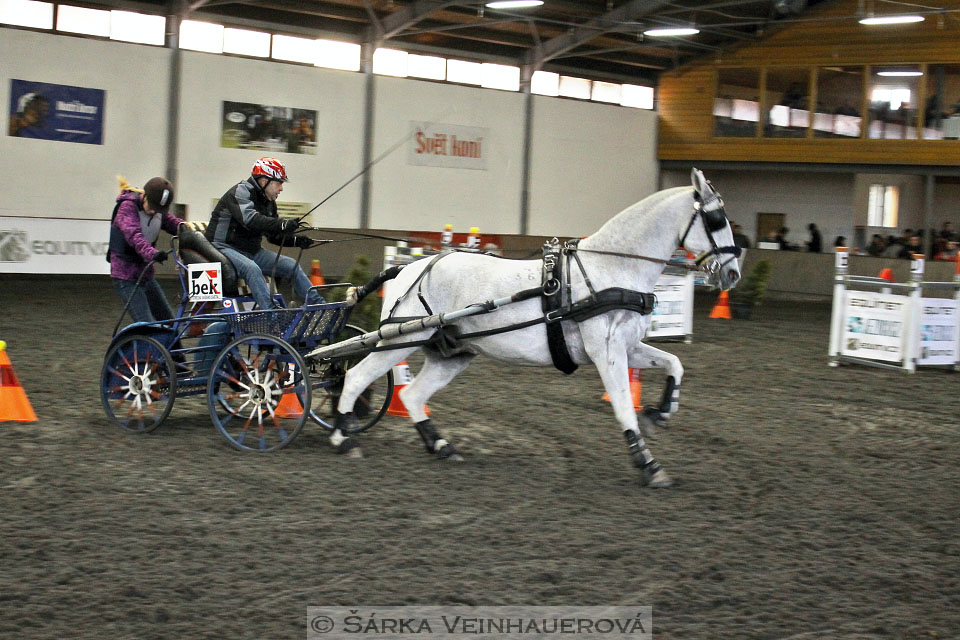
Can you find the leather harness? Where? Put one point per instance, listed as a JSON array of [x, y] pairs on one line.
[[555, 293]]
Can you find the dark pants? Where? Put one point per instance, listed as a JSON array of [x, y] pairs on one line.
[[147, 302]]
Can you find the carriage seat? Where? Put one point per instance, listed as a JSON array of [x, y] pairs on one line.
[[194, 248]]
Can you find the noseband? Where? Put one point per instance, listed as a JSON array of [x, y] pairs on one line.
[[714, 219]]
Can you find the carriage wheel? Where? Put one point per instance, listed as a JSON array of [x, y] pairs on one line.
[[256, 391], [138, 384], [326, 378]]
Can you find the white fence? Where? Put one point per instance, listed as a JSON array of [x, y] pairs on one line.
[[892, 325]]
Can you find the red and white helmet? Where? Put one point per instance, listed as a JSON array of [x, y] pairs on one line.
[[269, 168]]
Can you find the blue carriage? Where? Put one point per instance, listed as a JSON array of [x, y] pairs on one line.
[[248, 364]]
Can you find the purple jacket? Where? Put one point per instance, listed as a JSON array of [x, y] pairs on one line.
[[128, 221]]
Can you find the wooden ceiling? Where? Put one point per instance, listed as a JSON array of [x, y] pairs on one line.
[[597, 39]]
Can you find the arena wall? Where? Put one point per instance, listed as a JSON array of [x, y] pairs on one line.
[[611, 149]]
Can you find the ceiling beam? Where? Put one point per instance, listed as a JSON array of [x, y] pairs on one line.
[[406, 17], [610, 21]]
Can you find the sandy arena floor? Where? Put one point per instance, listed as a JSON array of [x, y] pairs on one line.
[[810, 502]]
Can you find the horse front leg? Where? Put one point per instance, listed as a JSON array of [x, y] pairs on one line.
[[613, 372], [643, 356]]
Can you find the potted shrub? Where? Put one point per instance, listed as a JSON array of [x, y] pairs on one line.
[[367, 313], [749, 293]]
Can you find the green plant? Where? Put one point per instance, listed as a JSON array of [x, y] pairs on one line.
[[753, 287], [366, 313]]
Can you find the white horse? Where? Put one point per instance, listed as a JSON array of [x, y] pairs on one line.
[[628, 252]]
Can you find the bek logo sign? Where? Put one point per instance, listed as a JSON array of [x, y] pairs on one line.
[[205, 282]]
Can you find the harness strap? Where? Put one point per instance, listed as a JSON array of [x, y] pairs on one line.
[[553, 268], [417, 282]]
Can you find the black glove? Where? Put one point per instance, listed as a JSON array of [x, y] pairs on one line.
[[304, 242], [289, 225], [160, 257]]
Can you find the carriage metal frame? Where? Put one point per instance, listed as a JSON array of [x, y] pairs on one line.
[[249, 364]]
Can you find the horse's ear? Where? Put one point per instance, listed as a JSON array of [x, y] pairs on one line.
[[699, 181]]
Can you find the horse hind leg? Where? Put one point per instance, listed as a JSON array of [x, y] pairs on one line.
[[655, 416], [435, 374], [357, 379]]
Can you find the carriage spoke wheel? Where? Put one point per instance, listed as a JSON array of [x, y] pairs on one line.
[[256, 391], [326, 380], [138, 384]]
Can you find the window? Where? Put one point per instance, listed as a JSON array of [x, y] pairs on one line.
[[787, 103], [429, 67], [839, 100], [942, 109], [26, 13], [605, 92], [883, 206], [334, 54], [545, 83], [572, 87], [632, 95], [390, 62], [201, 36], [464, 72], [91, 22], [893, 102], [736, 107], [295, 49], [500, 76], [246, 43], [137, 27]]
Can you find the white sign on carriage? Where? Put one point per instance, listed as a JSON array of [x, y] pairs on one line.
[[448, 145], [204, 282]]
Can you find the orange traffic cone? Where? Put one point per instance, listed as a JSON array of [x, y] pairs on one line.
[[13, 399], [289, 406], [316, 276], [401, 378], [887, 275], [636, 389], [722, 308]]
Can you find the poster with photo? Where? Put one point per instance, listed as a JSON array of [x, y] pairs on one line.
[[245, 125], [56, 112]]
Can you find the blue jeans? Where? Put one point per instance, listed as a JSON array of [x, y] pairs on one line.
[[253, 267], [147, 302]]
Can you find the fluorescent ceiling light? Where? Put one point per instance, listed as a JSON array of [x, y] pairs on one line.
[[514, 4], [900, 74], [891, 20], [672, 31]]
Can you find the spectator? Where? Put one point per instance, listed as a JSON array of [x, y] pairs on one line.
[[949, 252], [815, 244], [739, 237], [913, 246], [840, 241], [947, 232], [781, 239], [877, 245]]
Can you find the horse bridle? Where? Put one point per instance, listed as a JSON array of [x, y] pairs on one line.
[[714, 217]]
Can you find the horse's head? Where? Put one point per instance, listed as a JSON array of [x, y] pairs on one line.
[[709, 236]]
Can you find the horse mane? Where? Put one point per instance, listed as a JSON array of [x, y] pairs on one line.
[[638, 216]]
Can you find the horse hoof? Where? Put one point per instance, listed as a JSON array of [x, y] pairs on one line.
[[657, 480], [448, 453], [349, 447], [354, 453]]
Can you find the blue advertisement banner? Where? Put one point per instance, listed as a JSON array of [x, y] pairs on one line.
[[56, 112]]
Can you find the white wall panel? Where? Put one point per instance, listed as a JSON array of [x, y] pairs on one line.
[[65, 179], [589, 162], [207, 170], [426, 197]]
